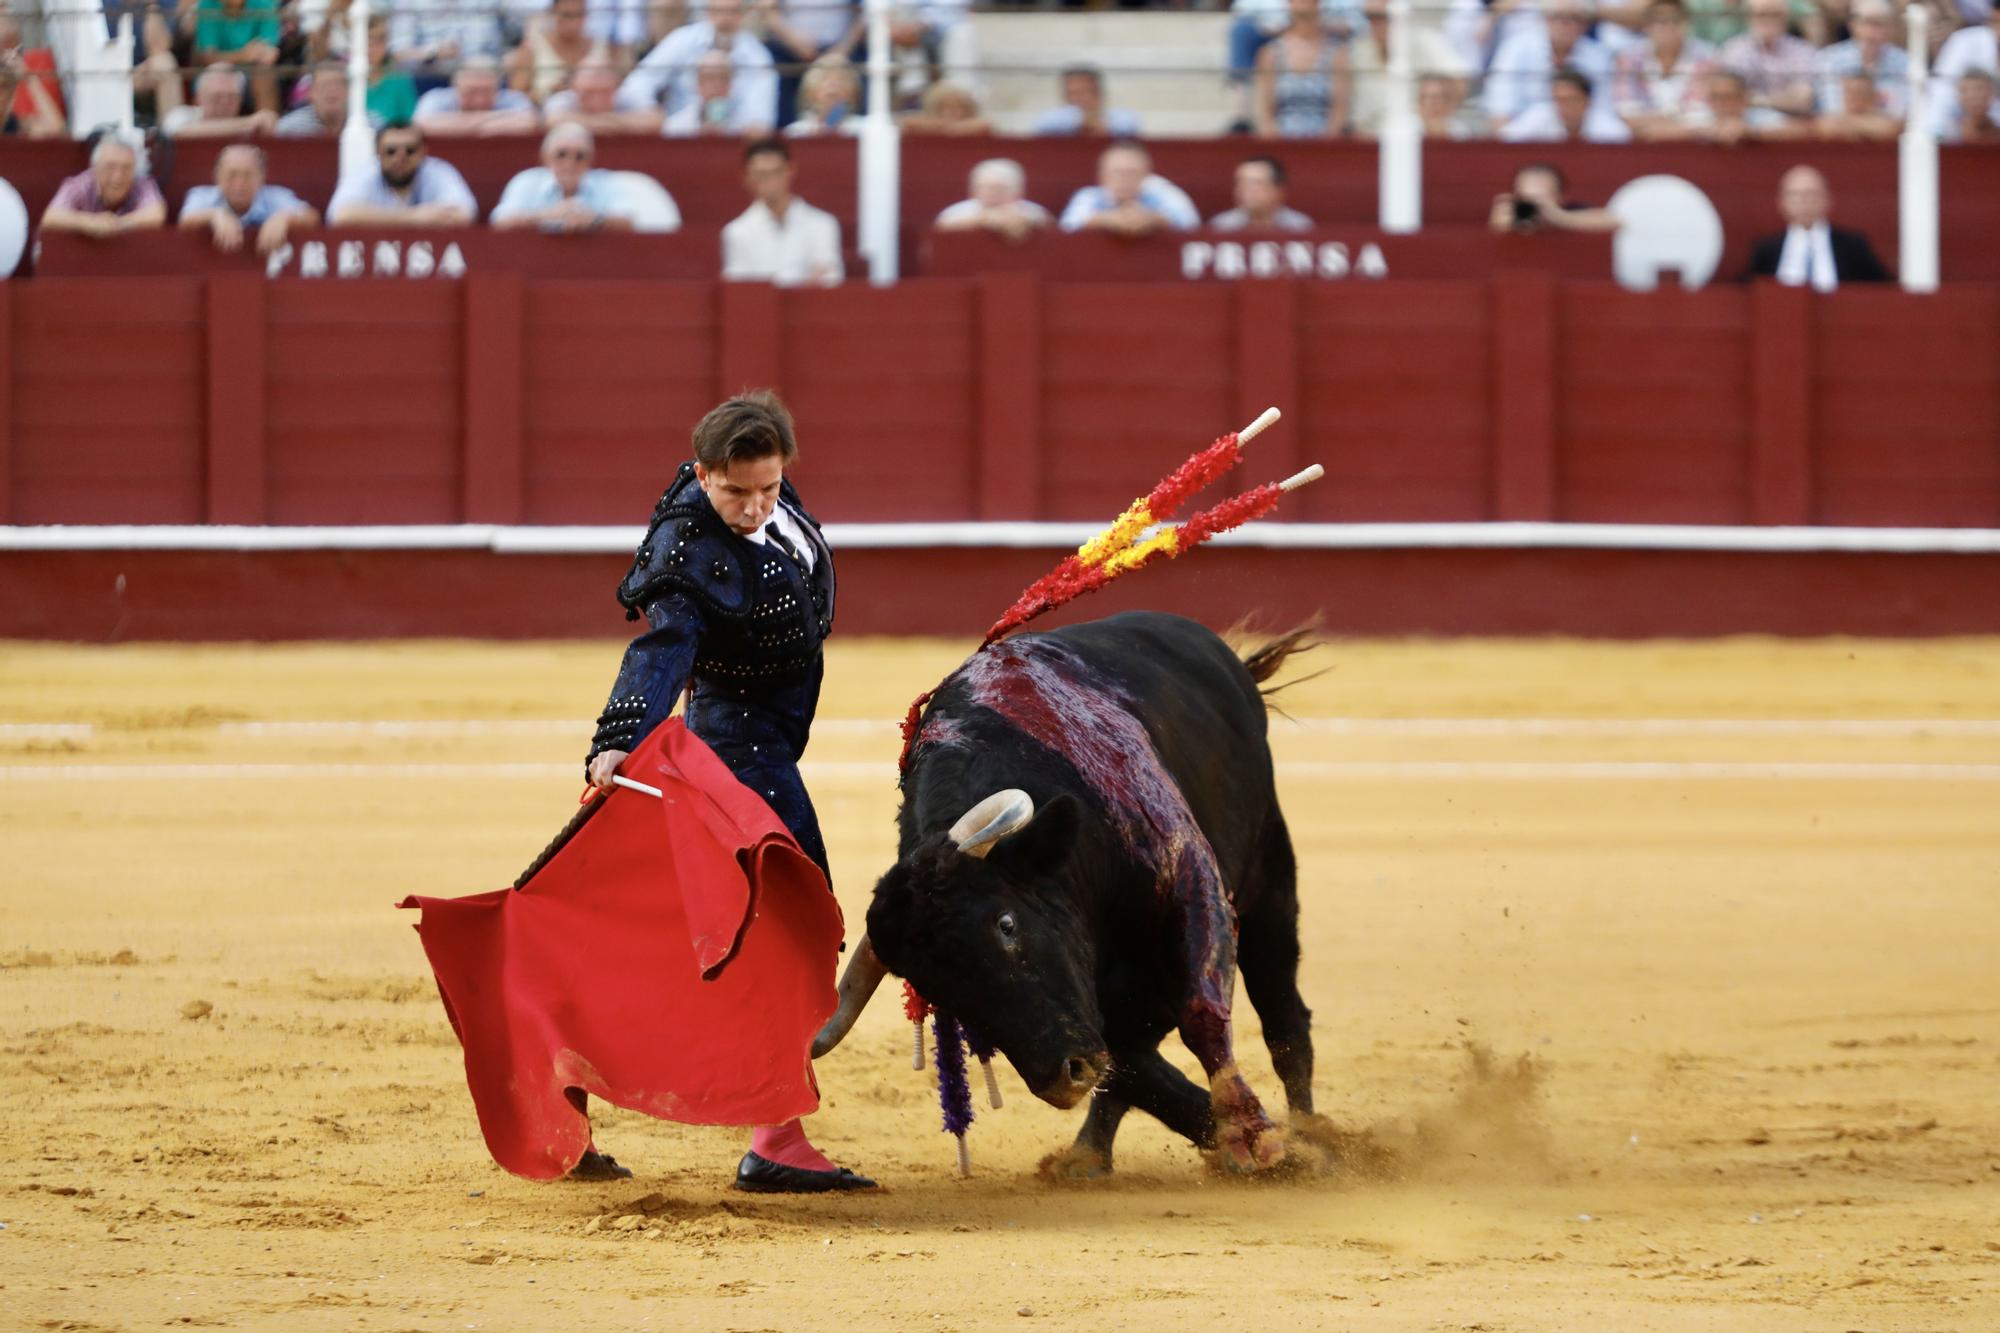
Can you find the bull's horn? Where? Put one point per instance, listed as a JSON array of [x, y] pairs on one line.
[[992, 819], [864, 973]]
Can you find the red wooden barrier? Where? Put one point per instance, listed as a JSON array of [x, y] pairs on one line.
[[502, 399]]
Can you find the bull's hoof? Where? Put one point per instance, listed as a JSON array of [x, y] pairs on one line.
[[1246, 1141], [1075, 1163]]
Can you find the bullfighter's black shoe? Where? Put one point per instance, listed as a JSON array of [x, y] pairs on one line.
[[760, 1175], [596, 1166]]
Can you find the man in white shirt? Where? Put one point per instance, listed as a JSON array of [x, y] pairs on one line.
[[666, 77], [780, 238]]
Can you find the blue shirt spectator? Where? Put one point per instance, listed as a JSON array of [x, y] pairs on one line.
[[268, 202], [404, 187], [1128, 198], [1083, 110]]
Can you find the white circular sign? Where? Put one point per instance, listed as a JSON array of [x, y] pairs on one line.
[[13, 228], [1666, 225]]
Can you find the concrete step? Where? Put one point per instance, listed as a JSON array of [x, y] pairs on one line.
[[1167, 68]]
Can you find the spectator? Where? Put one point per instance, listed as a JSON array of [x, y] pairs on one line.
[[1660, 80], [477, 104], [1970, 48], [1536, 203], [114, 195], [947, 109], [243, 33], [33, 99], [392, 94], [404, 187], [666, 77], [830, 95], [1477, 29], [1441, 107], [1811, 252], [1776, 67], [1260, 200], [595, 101], [1302, 79], [716, 107], [1726, 116], [1870, 53], [780, 238], [241, 199], [156, 73], [217, 110], [430, 37], [1128, 199], [627, 27], [566, 194], [1431, 57], [1570, 114], [324, 114], [1862, 117], [798, 34], [1977, 120], [554, 44], [996, 204], [1256, 22], [1521, 70], [1083, 110]]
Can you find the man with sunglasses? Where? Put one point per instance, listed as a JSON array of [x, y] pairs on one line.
[[565, 194], [405, 188]]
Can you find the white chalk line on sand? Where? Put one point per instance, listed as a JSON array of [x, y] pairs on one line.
[[447, 728], [844, 770]]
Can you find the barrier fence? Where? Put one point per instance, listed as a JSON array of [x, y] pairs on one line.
[[503, 399]]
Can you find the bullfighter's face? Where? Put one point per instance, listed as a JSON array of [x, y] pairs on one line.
[[745, 493], [999, 944]]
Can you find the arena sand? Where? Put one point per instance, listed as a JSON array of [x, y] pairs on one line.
[[1674, 1047]]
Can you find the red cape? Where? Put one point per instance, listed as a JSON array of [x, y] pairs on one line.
[[675, 956]]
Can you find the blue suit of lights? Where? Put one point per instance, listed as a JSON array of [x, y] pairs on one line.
[[743, 622]]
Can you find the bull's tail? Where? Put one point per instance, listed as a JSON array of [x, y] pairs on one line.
[[1266, 661]]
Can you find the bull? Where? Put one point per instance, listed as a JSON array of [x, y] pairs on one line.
[[1090, 847]]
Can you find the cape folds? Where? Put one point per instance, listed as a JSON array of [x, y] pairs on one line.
[[671, 954]]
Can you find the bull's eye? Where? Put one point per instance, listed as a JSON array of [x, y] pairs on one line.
[[1007, 925]]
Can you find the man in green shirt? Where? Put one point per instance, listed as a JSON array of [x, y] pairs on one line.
[[243, 33]]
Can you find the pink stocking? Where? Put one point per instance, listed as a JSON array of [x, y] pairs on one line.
[[787, 1145]]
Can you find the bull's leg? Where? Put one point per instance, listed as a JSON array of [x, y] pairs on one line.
[[1245, 1138], [1089, 1158], [1268, 955]]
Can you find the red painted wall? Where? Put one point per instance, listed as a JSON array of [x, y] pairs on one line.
[[498, 398]]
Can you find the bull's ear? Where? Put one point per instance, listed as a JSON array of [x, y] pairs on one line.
[[1037, 850]]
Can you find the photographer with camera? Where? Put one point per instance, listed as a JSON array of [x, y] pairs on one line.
[[1536, 203]]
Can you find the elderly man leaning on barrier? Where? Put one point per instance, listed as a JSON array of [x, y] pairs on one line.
[[996, 204], [1128, 198], [216, 113], [566, 194], [241, 200], [403, 187], [324, 114], [476, 103], [115, 195], [595, 101]]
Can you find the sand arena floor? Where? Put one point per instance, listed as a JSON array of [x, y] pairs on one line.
[[1739, 982]]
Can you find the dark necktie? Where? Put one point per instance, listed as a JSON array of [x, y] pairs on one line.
[[778, 540]]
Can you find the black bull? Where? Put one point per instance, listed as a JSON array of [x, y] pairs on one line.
[[1091, 846]]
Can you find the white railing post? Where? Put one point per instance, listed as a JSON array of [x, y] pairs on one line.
[[881, 150], [1917, 168], [95, 65], [1400, 151], [357, 141]]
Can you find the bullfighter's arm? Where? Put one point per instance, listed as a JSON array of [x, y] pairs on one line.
[[652, 676]]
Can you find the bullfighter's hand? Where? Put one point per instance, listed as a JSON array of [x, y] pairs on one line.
[[602, 767]]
